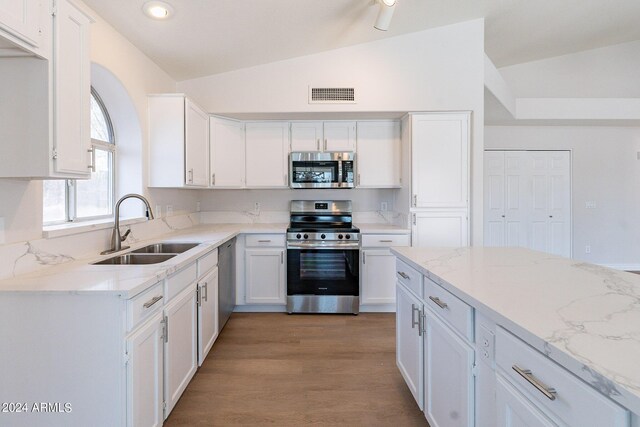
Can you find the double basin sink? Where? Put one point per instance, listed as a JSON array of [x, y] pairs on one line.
[[150, 254]]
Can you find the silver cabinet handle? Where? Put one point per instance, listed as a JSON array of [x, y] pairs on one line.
[[414, 322], [439, 302], [318, 144], [190, 178], [386, 241], [549, 392], [264, 241], [206, 291], [152, 301], [364, 257], [166, 329], [404, 275], [199, 295], [92, 165], [282, 257], [414, 219], [421, 320], [415, 200], [213, 179]]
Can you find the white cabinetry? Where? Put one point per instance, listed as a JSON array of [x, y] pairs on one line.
[[45, 105], [145, 379], [378, 270], [439, 160], [207, 299], [179, 140], [449, 385], [267, 149], [323, 136], [180, 351], [378, 158], [265, 280], [21, 19], [227, 153], [514, 410], [409, 348], [528, 200]]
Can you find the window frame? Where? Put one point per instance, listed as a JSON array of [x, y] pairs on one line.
[[71, 202]]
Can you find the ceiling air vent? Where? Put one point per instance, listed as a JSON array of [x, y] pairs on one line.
[[332, 95]]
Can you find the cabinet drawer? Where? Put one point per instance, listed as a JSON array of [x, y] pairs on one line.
[[207, 262], [260, 240], [144, 304], [180, 280], [384, 240], [452, 309], [572, 401], [409, 277]]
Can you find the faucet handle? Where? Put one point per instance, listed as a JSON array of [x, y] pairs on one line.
[[125, 235]]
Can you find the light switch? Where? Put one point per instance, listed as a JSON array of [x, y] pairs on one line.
[[486, 343], [591, 204]]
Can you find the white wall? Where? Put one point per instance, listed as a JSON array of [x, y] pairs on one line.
[[434, 70], [605, 169], [22, 200]]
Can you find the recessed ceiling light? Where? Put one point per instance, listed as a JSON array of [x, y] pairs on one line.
[[158, 9]]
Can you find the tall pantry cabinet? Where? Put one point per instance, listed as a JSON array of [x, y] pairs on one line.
[[437, 154]]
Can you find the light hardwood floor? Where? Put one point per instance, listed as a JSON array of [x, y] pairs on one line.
[[290, 370]]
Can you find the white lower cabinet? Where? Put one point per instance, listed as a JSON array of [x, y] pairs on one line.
[[514, 410], [265, 276], [180, 345], [144, 374], [378, 272], [207, 299], [409, 348], [448, 371]]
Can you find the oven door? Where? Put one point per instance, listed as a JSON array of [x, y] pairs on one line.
[[323, 271]]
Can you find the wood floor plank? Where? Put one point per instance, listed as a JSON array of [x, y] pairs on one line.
[[291, 370]]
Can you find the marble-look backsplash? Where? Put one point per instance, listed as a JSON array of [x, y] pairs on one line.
[[33, 255]]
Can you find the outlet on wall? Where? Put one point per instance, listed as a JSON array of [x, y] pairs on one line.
[[587, 249], [198, 206], [158, 211], [384, 206], [591, 204], [256, 207], [169, 210]]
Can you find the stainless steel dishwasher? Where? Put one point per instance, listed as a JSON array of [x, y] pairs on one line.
[[226, 281]]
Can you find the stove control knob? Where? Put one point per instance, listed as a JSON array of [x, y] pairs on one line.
[[340, 236], [306, 236], [348, 236], [323, 236], [298, 236]]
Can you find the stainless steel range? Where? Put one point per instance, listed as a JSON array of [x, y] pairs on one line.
[[322, 258]]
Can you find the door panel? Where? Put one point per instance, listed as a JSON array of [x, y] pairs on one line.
[[339, 136], [440, 229], [494, 199], [378, 154], [378, 277], [265, 277], [207, 314], [306, 136], [267, 154], [227, 151], [409, 348], [196, 145], [514, 410]]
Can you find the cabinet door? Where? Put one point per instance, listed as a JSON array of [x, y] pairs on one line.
[[207, 314], [514, 410], [306, 136], [227, 153], [440, 165], [448, 369], [180, 346], [196, 145], [72, 92], [378, 148], [378, 277], [21, 19], [144, 347], [265, 276], [494, 192], [409, 349], [339, 136], [267, 154], [445, 229]]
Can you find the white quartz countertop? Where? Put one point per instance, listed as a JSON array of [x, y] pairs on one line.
[[585, 317], [128, 280]]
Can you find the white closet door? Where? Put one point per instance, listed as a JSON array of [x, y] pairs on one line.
[[517, 198], [494, 198]]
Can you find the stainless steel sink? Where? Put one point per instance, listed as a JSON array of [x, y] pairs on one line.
[[165, 248], [136, 259]]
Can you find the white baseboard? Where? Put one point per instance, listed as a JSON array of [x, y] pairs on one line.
[[623, 267], [260, 309], [383, 308]]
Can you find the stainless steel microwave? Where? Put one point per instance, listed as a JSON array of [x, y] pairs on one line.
[[322, 170]]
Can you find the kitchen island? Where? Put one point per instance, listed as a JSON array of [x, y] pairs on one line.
[[547, 338]]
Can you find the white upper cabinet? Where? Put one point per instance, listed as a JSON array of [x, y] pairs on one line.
[[323, 136], [440, 164], [178, 137], [306, 136], [227, 153], [21, 19], [339, 136], [196, 145], [378, 154], [267, 149]]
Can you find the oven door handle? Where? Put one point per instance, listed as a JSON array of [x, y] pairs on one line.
[[300, 246]]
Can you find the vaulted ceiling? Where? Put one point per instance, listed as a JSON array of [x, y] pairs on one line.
[[206, 37]]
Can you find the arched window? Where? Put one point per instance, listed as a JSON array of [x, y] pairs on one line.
[[81, 200]]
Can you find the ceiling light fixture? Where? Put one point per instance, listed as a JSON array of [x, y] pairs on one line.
[[385, 14], [157, 9]]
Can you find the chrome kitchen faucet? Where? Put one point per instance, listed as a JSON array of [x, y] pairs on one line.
[[116, 237]]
